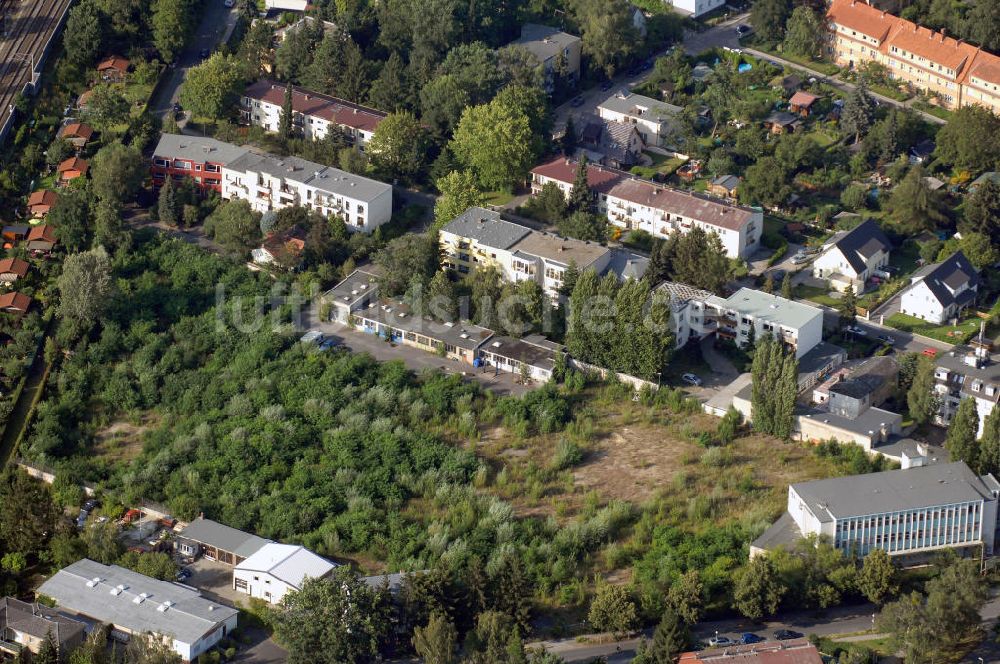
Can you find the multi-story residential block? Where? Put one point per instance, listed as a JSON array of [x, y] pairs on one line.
[[632, 204], [912, 512], [478, 238], [695, 8], [851, 258], [556, 51], [201, 159], [314, 114], [966, 372], [954, 72], [939, 292], [698, 313], [138, 606], [271, 183], [656, 121]]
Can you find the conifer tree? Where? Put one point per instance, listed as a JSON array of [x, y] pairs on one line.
[[579, 330], [568, 142], [786, 287], [285, 123], [579, 195], [921, 398], [989, 444], [168, 207], [961, 440], [848, 307]]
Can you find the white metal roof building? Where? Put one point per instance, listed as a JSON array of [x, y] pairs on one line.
[[135, 604], [277, 568]]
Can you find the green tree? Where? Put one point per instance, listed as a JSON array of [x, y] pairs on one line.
[[686, 597], [474, 67], [28, 515], [48, 652], [583, 225], [442, 297], [235, 226], [399, 145], [168, 207], [912, 207], [171, 22], [989, 444], [548, 205], [211, 88], [391, 90], [495, 141], [609, 38], [921, 398], [765, 183], [285, 124], [612, 610], [768, 18], [71, 218], [982, 24], [102, 543], [775, 385], [83, 35], [786, 287], [848, 307], [403, 259], [804, 32], [962, 432], [982, 210], [442, 101], [84, 287], [758, 590], [436, 642], [117, 173], [336, 620], [854, 196], [106, 107], [579, 195], [859, 112], [877, 579], [768, 286], [459, 191], [970, 140], [670, 638]]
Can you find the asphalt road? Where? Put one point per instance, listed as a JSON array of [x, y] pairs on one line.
[[216, 22]]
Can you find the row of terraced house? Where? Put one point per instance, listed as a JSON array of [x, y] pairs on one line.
[[954, 72]]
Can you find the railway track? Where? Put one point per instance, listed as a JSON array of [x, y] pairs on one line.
[[28, 25]]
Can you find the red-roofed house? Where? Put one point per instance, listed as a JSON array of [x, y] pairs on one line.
[[42, 238], [40, 202], [12, 269], [313, 114], [954, 72], [285, 248], [14, 302], [795, 651], [77, 133], [72, 168], [632, 204], [801, 102], [113, 68]]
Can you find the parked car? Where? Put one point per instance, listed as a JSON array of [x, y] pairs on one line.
[[858, 331], [777, 275], [183, 574], [312, 337], [329, 344], [800, 258], [577, 102], [717, 641], [229, 3], [742, 30], [929, 352], [691, 379], [607, 85], [90, 504], [750, 637], [786, 634], [886, 339], [81, 520]]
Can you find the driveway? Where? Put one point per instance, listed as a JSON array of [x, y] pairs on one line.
[[503, 384], [215, 581], [216, 23]]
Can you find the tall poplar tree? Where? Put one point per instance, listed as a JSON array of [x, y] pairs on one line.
[[285, 124], [579, 195], [989, 444], [921, 399], [579, 331], [961, 440]]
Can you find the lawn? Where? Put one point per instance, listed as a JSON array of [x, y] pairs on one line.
[[905, 258], [890, 92], [662, 164], [936, 111], [498, 198], [821, 66], [815, 294], [822, 138], [947, 333]]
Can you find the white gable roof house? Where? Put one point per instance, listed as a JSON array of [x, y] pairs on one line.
[[940, 291], [275, 569], [852, 257]]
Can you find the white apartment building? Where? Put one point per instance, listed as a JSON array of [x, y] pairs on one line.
[[904, 512], [655, 120], [480, 237], [275, 569], [633, 204], [268, 182], [966, 372], [314, 114], [695, 8]]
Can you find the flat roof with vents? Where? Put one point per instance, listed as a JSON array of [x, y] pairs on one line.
[[134, 602]]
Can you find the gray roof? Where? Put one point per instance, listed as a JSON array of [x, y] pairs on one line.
[[486, 227], [784, 533], [544, 42], [38, 620], [730, 182], [868, 423], [358, 284], [861, 243], [893, 491], [220, 536], [539, 353], [647, 108], [194, 148], [681, 294], [395, 581], [771, 308], [400, 316], [821, 356], [188, 618], [558, 249], [980, 375], [948, 275], [324, 178], [627, 264]]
